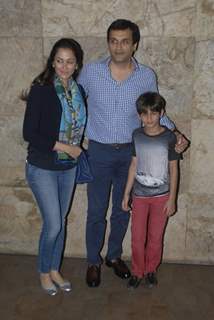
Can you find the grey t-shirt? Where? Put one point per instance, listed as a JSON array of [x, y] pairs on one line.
[[153, 155]]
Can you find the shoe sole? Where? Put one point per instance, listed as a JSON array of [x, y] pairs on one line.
[[117, 274], [133, 287], [150, 286], [93, 285]]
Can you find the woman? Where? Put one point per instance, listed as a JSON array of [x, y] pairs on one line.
[[53, 126]]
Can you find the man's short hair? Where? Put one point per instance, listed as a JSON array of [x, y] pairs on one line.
[[150, 101], [123, 24]]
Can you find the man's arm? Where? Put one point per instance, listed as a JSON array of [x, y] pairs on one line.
[[182, 142], [167, 122], [82, 79]]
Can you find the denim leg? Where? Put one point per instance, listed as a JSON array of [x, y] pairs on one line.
[[98, 192], [66, 182], [45, 187], [119, 218]]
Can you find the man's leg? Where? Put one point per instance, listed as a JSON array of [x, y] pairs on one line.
[[119, 218], [98, 192]]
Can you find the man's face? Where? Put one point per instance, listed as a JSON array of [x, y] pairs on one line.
[[121, 45]]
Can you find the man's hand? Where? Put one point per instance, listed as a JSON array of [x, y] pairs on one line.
[[182, 142]]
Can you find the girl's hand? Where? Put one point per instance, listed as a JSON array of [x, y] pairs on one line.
[[125, 202], [170, 208]]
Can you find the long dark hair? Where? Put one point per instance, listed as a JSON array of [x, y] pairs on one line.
[[47, 75]]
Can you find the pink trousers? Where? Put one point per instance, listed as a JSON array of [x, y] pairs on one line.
[[147, 230]]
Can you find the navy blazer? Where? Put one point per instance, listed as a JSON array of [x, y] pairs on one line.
[[42, 118], [41, 128]]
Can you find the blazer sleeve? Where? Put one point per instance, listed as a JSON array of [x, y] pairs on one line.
[[32, 130]]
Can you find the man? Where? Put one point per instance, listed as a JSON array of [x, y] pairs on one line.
[[112, 87]]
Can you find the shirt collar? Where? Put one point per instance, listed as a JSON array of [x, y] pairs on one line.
[[134, 61]]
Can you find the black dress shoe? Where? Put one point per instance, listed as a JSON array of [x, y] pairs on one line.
[[133, 282], [120, 268], [151, 280], [93, 276]]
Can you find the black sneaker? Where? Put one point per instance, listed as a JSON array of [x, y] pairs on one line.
[[151, 280], [133, 282], [119, 267]]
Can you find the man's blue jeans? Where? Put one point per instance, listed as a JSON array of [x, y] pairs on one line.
[[53, 191], [109, 166]]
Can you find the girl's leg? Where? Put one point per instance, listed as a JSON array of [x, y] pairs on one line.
[[140, 210], [156, 226]]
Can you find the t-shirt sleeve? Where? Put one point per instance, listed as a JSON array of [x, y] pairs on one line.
[[173, 155]]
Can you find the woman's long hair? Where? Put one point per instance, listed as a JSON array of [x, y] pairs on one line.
[[46, 77]]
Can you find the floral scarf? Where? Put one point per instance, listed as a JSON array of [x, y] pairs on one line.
[[73, 115]]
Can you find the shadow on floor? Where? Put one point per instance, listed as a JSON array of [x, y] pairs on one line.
[[184, 292]]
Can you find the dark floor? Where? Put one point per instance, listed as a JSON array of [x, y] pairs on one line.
[[185, 292]]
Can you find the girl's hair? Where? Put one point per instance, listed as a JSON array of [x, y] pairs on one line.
[[150, 101], [47, 75]]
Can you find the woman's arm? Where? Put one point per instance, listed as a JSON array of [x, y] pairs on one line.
[[32, 121]]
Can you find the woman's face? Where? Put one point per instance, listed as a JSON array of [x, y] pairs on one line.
[[64, 64]]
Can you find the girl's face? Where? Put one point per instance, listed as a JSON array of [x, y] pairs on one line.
[[64, 64], [151, 119]]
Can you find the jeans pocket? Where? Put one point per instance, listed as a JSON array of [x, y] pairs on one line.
[[30, 171]]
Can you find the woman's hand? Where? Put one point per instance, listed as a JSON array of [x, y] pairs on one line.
[[74, 151]]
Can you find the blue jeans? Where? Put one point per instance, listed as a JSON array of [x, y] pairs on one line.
[[53, 191], [110, 169]]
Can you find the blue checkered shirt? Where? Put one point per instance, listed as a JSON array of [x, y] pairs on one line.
[[112, 115]]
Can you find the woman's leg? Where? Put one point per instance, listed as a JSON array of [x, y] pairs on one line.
[[44, 185], [66, 182]]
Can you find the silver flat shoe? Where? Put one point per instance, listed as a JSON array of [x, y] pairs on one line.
[[65, 286], [51, 291]]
